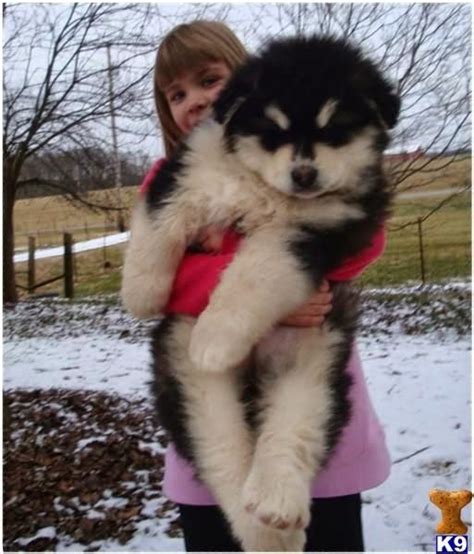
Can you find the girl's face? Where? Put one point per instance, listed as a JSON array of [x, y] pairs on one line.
[[191, 95]]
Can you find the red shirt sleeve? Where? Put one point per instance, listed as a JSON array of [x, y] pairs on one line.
[[355, 265], [150, 176], [198, 274]]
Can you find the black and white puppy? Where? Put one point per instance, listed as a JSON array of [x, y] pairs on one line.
[[292, 158]]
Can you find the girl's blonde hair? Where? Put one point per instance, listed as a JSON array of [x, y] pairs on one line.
[[185, 48]]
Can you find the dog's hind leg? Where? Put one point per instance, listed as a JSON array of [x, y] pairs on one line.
[[297, 408], [221, 442]]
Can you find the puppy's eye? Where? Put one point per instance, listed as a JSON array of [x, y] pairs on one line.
[[264, 124], [344, 118], [270, 124]]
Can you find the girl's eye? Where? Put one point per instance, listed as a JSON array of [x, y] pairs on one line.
[[210, 80], [176, 96]]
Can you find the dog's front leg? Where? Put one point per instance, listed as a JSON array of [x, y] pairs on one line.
[[157, 244], [262, 285]]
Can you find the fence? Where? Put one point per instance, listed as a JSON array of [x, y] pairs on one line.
[[70, 271], [425, 251], [68, 268]]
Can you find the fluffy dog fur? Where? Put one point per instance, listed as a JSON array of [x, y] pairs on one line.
[[292, 158]]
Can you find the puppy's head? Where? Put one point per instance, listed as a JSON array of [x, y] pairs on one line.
[[309, 115]]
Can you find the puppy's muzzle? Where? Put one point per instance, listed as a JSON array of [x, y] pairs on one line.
[[304, 178]]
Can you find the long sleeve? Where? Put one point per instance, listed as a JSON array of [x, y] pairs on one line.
[[198, 274]]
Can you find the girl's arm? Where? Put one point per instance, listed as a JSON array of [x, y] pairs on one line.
[[199, 274]]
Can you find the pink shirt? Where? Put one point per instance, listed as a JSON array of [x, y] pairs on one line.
[[360, 460]]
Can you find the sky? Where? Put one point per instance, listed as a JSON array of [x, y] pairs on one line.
[[255, 23]]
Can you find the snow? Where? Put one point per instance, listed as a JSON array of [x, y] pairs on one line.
[[419, 383], [45, 532], [93, 363]]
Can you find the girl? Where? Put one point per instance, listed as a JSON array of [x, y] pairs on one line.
[[193, 64]]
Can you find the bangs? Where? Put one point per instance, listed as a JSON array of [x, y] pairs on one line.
[[180, 54]]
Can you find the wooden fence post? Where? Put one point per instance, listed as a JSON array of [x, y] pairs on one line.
[[68, 267], [31, 265], [422, 255], [120, 222], [104, 249]]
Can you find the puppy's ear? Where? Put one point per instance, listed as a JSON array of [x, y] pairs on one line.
[[379, 91], [244, 81]]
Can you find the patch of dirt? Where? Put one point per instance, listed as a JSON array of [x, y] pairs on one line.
[[436, 468], [80, 466], [408, 310], [60, 318], [417, 310]]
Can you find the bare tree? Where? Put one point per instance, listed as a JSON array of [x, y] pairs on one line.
[[426, 51], [56, 97], [55, 94], [56, 90]]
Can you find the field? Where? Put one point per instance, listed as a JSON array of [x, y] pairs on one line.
[[446, 235], [48, 217], [425, 174]]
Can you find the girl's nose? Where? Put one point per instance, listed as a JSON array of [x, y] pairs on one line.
[[198, 103]]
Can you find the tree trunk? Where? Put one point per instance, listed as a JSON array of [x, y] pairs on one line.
[[10, 294]]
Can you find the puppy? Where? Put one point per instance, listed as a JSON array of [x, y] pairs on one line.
[[292, 159]]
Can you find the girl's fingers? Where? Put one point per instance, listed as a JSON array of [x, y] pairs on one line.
[[303, 321], [324, 287], [312, 311], [320, 299], [317, 310]]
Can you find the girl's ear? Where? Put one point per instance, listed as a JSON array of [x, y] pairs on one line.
[[244, 81]]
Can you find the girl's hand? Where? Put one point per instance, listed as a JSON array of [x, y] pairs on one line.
[[210, 238], [313, 312]]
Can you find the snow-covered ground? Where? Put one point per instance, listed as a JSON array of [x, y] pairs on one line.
[[419, 379]]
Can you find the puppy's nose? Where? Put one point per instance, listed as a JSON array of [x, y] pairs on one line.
[[304, 176]]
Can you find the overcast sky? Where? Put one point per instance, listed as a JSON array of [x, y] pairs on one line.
[[255, 23]]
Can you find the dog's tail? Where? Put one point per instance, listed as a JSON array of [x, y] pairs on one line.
[[343, 318], [345, 308]]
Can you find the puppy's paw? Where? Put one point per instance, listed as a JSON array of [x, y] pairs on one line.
[[256, 538], [281, 502], [217, 344]]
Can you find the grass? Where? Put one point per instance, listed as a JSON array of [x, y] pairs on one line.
[[446, 244], [446, 239]]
